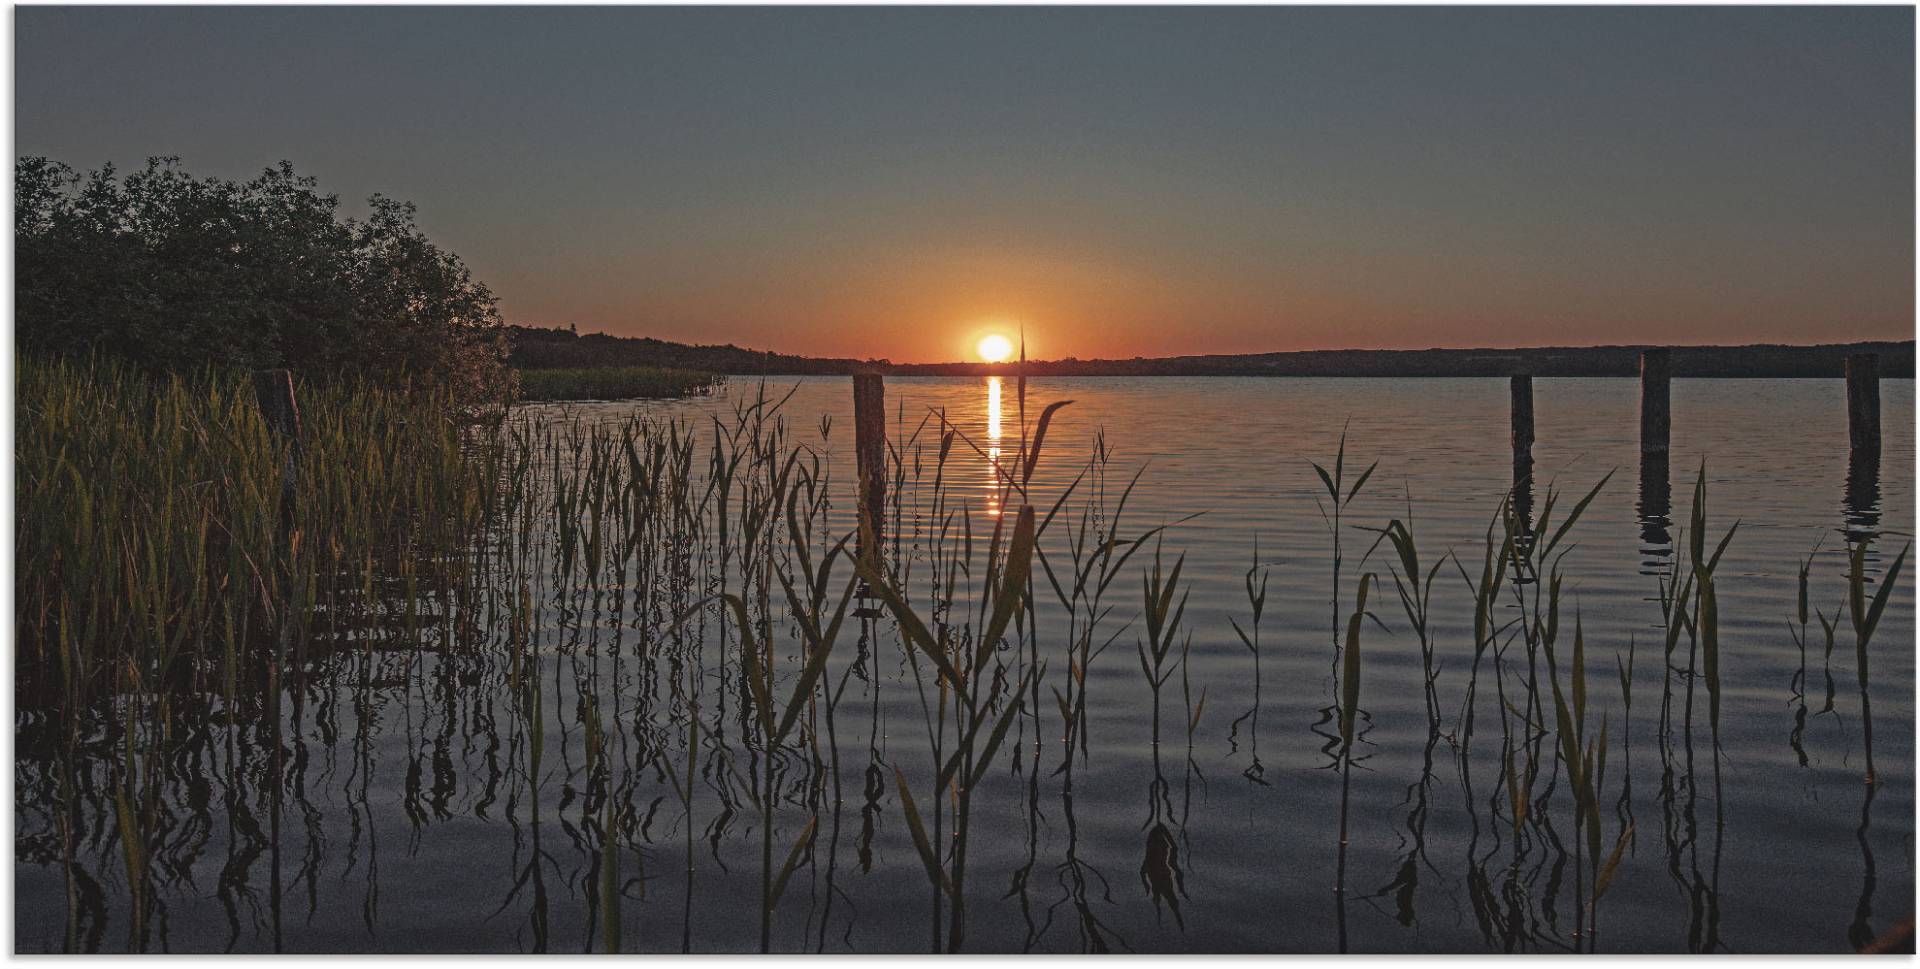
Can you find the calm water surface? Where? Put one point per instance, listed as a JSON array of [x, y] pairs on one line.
[[407, 830]]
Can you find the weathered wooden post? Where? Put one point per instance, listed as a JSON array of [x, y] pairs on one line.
[[274, 389], [1863, 402], [1655, 403], [870, 456], [1521, 494], [1522, 428]]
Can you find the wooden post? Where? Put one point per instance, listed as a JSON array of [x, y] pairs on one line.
[[1522, 493], [274, 389], [1863, 401], [1655, 404], [1522, 427], [870, 455]]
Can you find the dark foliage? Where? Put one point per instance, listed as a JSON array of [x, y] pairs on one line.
[[176, 273]]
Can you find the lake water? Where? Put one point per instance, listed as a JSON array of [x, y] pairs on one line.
[[408, 822]]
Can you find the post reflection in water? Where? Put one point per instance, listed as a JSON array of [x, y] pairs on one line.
[[540, 756], [1655, 513], [1862, 504], [995, 486]]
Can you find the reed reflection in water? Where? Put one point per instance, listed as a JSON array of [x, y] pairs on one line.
[[573, 751]]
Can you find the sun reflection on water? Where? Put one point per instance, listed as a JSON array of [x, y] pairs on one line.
[[993, 447]]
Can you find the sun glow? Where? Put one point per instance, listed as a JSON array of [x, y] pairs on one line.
[[994, 348]]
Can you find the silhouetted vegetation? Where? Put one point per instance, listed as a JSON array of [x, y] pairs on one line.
[[553, 347], [176, 272], [538, 348]]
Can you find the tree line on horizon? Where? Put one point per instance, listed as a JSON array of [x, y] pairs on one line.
[[556, 347]]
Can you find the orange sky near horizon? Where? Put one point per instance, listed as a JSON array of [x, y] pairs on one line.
[[1138, 181], [933, 307]]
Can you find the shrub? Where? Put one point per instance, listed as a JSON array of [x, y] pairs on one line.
[[175, 273]]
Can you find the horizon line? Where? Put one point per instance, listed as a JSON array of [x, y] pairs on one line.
[[1538, 348]]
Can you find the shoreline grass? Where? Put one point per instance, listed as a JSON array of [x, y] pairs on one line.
[[615, 383], [147, 541]]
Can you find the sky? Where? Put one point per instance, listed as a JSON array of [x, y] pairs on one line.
[[892, 183]]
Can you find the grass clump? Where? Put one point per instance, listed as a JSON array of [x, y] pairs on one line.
[[615, 383], [149, 544]]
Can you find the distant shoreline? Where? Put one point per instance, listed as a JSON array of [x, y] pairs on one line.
[[544, 348], [1311, 376]]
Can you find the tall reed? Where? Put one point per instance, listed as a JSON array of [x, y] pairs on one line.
[[1865, 615]]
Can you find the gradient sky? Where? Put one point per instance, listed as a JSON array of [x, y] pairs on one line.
[[886, 182]]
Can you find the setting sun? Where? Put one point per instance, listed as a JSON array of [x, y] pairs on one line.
[[994, 348]]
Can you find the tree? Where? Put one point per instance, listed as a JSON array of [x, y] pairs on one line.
[[177, 273]]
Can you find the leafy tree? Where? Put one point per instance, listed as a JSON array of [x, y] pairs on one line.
[[177, 273]]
